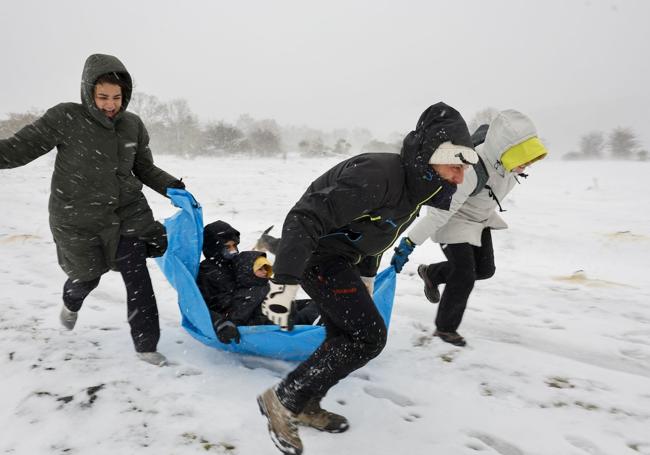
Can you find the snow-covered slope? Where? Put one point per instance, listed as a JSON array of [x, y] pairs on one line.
[[558, 360]]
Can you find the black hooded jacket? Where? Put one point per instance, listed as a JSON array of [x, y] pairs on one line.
[[246, 301], [100, 168], [216, 278], [361, 206]]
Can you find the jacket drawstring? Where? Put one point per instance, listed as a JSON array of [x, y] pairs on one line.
[[493, 196]]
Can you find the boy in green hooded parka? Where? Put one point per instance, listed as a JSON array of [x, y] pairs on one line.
[[99, 217]]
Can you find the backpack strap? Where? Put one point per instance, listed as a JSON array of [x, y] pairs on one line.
[[478, 137], [481, 176]]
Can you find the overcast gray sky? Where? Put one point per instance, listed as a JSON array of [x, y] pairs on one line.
[[572, 66]]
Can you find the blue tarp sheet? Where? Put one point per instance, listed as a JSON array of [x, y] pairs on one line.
[[180, 264]]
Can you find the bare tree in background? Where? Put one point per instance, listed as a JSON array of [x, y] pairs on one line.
[[314, 148], [222, 138], [622, 143], [183, 132], [15, 122], [592, 145], [150, 109], [342, 147], [265, 142], [375, 146]]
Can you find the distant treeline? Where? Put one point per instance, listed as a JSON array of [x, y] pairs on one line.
[[174, 129], [621, 144]]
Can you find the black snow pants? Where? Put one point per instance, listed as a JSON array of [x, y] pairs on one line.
[[355, 331], [142, 312], [465, 264]]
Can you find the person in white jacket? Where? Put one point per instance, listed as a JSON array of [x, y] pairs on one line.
[[464, 231]]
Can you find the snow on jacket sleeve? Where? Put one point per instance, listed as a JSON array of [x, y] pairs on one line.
[[245, 303], [32, 141], [436, 218], [146, 171], [215, 286], [347, 191]]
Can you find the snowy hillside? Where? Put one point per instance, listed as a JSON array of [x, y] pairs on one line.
[[557, 362]]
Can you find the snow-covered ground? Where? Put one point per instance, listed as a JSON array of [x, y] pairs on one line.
[[558, 360]]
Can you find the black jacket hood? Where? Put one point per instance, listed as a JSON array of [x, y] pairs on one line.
[[215, 236], [439, 123], [97, 65], [244, 263]]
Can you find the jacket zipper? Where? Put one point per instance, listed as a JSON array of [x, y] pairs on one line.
[[417, 209]]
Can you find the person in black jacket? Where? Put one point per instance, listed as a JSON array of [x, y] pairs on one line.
[[332, 241], [216, 279], [99, 217], [234, 284]]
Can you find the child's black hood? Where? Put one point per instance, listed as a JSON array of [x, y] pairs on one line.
[[215, 236], [243, 264]]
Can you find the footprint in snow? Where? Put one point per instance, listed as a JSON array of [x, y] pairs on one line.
[[499, 445], [277, 368], [584, 444], [637, 336], [188, 372], [636, 354], [421, 340], [637, 317], [412, 417], [394, 397]]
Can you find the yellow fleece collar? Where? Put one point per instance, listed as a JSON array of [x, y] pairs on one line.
[[525, 152]]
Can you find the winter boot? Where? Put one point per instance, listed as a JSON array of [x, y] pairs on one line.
[[154, 358], [450, 337], [430, 289], [281, 423], [316, 417], [68, 318]]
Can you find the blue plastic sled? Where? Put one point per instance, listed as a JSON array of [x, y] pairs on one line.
[[180, 264]]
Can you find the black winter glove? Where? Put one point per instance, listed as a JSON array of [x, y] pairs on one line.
[[178, 184], [227, 331]]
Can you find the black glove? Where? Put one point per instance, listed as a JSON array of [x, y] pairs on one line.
[[178, 184], [227, 331]]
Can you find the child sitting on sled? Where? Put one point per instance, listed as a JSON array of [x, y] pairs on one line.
[[234, 284]]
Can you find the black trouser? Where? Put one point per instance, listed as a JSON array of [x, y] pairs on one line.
[[465, 264], [142, 312], [306, 312], [355, 331]]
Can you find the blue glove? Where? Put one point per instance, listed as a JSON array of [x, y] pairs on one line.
[[402, 252]]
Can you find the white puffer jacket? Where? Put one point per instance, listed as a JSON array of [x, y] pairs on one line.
[[469, 215]]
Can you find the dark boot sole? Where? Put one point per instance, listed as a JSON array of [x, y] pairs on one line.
[[460, 342], [430, 291]]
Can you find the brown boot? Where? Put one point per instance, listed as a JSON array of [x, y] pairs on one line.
[[316, 417], [450, 337], [281, 423]]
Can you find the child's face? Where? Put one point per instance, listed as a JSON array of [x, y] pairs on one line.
[[108, 99], [262, 272], [231, 247]]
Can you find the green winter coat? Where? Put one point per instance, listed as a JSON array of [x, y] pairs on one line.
[[101, 165]]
